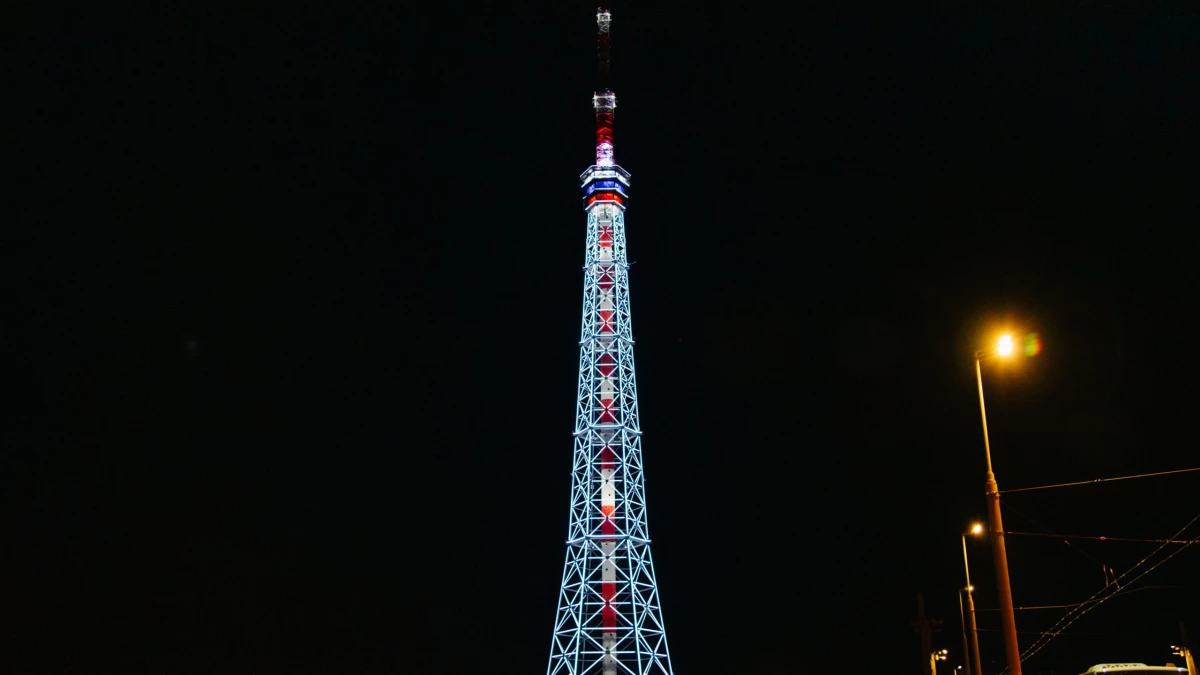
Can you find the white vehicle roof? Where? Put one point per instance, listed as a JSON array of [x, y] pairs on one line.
[[1132, 667]]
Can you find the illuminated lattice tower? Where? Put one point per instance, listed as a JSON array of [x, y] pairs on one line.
[[609, 621]]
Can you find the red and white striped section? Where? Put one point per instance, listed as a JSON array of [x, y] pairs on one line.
[[607, 370]]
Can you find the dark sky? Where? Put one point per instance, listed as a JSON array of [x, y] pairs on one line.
[[292, 301]]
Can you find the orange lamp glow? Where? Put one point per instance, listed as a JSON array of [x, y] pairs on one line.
[[1005, 346]]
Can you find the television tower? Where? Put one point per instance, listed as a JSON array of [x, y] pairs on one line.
[[609, 621]]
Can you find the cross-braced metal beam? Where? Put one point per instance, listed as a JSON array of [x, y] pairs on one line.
[[609, 620]]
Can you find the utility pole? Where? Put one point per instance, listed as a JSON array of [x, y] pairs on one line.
[[973, 654], [925, 627], [976, 661], [1008, 622], [966, 650], [934, 657], [1186, 649]]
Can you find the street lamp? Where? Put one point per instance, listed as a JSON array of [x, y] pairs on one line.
[[934, 658], [1187, 658], [963, 622], [1004, 347], [972, 653]]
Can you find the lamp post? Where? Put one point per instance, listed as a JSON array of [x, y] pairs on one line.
[[934, 657], [974, 651], [963, 622], [1185, 650], [1187, 658], [1008, 621]]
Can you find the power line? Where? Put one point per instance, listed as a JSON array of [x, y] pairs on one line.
[[1084, 607], [1076, 604], [997, 609], [1036, 632], [1055, 631], [1152, 588], [1083, 536], [1045, 529], [1099, 480]]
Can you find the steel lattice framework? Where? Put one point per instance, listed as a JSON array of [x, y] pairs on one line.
[[609, 621]]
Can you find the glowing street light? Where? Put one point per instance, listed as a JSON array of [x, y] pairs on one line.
[[970, 655], [1186, 653], [940, 655], [1003, 349], [1004, 346]]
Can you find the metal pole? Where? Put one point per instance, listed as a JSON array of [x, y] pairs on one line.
[[963, 622], [1187, 650], [1007, 619], [933, 663], [971, 612], [974, 633]]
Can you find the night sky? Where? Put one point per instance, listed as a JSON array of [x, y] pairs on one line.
[[291, 305]]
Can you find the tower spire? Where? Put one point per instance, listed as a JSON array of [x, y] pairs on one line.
[[609, 620], [604, 56], [604, 100]]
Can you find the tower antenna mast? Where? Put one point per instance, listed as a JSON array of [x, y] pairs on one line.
[[604, 100], [609, 620]]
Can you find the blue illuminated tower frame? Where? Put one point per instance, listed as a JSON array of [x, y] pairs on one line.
[[609, 619]]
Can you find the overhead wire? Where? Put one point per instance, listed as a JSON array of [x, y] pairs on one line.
[[1118, 591], [1101, 538], [1154, 588], [1036, 632], [1055, 631], [1099, 480], [1048, 532], [1076, 604], [997, 609], [1092, 602]]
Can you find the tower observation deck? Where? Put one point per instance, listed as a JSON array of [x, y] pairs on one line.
[[609, 619]]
